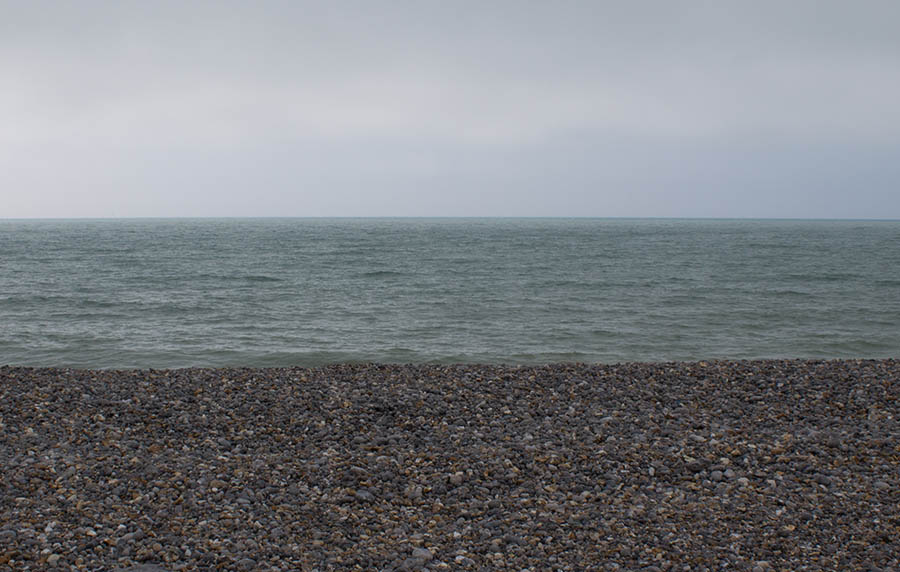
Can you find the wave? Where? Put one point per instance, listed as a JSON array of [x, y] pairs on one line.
[[261, 278], [239, 277], [380, 274], [788, 293]]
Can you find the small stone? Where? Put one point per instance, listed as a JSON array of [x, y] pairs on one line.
[[364, 496], [513, 539], [422, 554], [411, 564], [456, 478], [696, 466], [716, 476], [246, 564], [53, 559]]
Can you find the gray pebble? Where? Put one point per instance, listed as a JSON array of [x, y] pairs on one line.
[[360, 467]]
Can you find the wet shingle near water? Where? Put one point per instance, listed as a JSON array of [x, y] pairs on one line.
[[760, 465]]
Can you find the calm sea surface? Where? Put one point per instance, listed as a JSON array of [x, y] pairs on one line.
[[273, 292]]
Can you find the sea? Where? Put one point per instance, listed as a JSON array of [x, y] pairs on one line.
[[172, 293]]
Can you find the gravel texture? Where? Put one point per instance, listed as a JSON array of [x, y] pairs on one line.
[[749, 465]]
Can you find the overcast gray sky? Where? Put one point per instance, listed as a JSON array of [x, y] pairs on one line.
[[785, 108]]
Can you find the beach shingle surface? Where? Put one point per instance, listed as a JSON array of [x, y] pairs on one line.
[[757, 465]]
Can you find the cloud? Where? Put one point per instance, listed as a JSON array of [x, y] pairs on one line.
[[98, 88]]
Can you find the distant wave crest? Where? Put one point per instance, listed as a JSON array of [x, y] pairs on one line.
[[381, 274]]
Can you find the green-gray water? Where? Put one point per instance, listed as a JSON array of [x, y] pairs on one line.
[[272, 292]]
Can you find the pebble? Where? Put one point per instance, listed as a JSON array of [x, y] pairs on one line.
[[762, 465]]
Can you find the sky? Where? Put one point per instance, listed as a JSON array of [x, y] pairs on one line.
[[634, 108]]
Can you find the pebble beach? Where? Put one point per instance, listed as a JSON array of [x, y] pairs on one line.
[[719, 465]]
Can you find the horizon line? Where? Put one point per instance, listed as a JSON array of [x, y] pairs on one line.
[[461, 217]]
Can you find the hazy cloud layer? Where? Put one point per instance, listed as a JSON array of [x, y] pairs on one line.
[[450, 108]]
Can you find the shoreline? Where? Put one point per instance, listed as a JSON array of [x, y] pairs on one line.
[[767, 464]]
